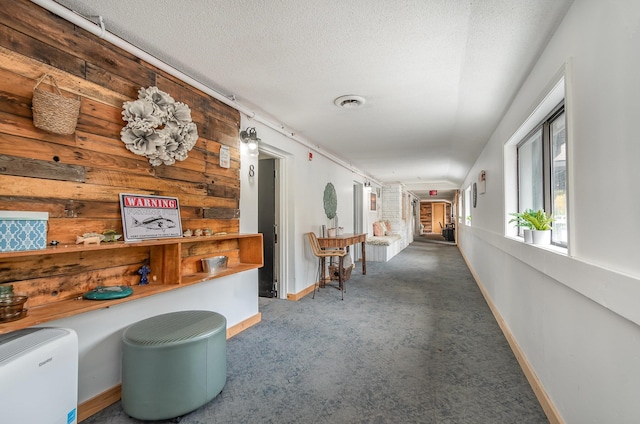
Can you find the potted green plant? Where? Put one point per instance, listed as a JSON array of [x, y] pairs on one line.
[[520, 221], [540, 226], [539, 222]]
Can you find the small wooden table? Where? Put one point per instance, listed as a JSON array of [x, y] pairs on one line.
[[344, 241]]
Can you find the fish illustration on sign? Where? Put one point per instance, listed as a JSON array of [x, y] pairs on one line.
[[155, 223], [149, 217]]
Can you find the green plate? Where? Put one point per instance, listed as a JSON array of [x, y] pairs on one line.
[[107, 293]]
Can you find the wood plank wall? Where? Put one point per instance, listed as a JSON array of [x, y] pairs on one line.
[[426, 216], [77, 178]]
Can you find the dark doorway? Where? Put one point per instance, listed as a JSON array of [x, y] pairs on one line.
[[267, 225]]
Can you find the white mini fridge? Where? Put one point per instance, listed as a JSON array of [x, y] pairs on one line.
[[39, 376]]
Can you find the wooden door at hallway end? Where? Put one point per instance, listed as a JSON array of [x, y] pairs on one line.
[[438, 217]]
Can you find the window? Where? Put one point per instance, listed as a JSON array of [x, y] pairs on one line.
[[467, 205], [542, 172], [559, 179]]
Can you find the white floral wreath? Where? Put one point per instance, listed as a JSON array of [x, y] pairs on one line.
[[158, 127]]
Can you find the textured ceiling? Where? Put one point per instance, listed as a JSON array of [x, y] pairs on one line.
[[437, 75]]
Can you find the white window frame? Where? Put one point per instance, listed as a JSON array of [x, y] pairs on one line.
[[554, 96], [467, 205], [542, 134]]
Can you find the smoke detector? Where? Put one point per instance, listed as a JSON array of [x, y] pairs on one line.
[[349, 102]]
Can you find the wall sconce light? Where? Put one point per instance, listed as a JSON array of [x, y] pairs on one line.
[[367, 183], [250, 138]]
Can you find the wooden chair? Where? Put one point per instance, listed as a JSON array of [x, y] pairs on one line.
[[322, 254]]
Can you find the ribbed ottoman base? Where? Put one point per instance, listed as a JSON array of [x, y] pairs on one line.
[[173, 364]]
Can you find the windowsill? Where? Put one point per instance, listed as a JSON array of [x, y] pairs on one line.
[[550, 247]]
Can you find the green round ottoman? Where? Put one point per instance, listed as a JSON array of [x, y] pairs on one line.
[[173, 364]]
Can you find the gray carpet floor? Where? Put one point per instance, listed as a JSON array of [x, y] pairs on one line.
[[412, 342]]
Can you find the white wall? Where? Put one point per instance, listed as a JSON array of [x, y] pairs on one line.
[[304, 183], [576, 316], [100, 331]]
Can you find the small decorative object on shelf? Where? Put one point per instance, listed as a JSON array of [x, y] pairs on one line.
[[107, 293], [6, 290], [23, 230], [84, 239], [216, 263], [188, 233], [144, 271], [158, 127], [149, 217], [11, 305], [111, 235], [12, 308]]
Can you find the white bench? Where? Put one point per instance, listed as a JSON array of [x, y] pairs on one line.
[[383, 248]]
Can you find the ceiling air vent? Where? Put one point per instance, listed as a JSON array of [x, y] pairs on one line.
[[349, 102]]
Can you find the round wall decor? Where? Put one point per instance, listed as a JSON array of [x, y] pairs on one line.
[[158, 127], [330, 201]]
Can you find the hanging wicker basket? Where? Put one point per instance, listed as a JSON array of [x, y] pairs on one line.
[[52, 111]]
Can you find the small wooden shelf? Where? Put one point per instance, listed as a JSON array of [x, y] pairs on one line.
[[203, 276], [61, 274], [68, 248]]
